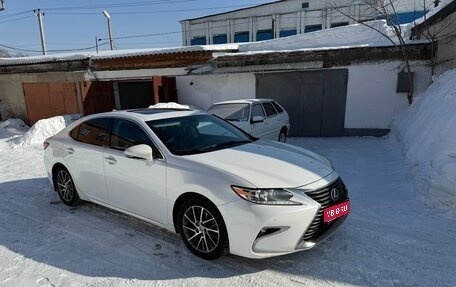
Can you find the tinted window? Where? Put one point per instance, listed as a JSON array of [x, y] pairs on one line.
[[94, 131], [241, 37], [270, 111], [126, 134], [257, 110], [74, 133], [277, 107], [198, 41]]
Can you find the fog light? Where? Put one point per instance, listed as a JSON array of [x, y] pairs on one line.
[[265, 231]]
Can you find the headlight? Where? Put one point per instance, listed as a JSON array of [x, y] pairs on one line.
[[272, 196]]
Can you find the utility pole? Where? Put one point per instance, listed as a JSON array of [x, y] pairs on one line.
[[40, 15], [96, 43], [108, 18]]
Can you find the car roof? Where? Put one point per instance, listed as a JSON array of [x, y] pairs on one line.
[[148, 114], [244, 101]]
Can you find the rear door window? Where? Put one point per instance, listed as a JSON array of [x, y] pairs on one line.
[[93, 131], [277, 107], [270, 110]]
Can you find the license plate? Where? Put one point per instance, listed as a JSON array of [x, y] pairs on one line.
[[336, 211]]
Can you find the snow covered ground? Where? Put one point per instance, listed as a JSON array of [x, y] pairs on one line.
[[391, 238]]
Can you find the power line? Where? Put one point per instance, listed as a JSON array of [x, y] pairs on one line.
[[54, 50], [17, 19], [119, 5], [149, 12], [4, 16]]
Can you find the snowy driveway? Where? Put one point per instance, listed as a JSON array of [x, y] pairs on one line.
[[390, 239]]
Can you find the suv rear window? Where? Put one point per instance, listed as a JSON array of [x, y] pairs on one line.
[[277, 107]]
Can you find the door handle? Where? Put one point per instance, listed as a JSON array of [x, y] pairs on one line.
[[70, 150], [111, 159]]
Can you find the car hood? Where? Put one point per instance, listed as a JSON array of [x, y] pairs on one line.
[[268, 164]]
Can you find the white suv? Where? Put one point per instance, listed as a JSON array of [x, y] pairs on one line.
[[262, 118]]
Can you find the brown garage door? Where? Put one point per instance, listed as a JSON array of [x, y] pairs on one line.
[[44, 100], [97, 97]]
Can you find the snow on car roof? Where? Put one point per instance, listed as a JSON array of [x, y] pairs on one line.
[[148, 114]]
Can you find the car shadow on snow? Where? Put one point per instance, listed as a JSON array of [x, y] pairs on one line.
[[93, 241]]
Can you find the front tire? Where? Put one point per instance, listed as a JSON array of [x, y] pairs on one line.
[[65, 187], [283, 135], [202, 229]]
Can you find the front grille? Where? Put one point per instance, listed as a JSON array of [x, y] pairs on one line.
[[323, 196]]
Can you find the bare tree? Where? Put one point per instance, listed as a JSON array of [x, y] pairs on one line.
[[440, 33], [383, 9]]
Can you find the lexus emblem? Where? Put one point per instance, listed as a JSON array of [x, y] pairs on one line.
[[334, 194]]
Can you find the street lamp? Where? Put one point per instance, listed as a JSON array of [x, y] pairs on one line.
[[108, 18]]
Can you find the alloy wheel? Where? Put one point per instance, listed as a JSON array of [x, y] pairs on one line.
[[65, 186], [200, 228]]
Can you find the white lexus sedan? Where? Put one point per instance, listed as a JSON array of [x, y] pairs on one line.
[[193, 173], [262, 118]]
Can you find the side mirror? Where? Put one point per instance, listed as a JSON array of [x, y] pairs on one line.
[[141, 151], [257, 119]]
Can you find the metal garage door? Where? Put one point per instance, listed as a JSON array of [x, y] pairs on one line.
[[44, 100], [134, 95], [315, 100], [97, 97]]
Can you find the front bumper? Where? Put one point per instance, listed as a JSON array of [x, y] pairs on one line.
[[261, 231]]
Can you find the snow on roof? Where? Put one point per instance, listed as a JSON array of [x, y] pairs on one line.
[[160, 51], [51, 58], [169, 105], [357, 35], [64, 57], [432, 12]]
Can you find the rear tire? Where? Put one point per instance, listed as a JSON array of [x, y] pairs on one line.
[[65, 187], [202, 229], [283, 135]]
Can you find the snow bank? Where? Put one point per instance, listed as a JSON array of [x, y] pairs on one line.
[[427, 132], [12, 128], [12, 123], [44, 129]]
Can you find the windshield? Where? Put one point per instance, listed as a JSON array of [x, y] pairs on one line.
[[197, 134], [231, 112]]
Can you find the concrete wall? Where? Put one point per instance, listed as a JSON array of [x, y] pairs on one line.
[[286, 15], [12, 93], [372, 101], [202, 91]]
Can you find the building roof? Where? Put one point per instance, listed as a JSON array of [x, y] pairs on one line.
[[435, 15], [232, 11], [334, 40], [115, 54]]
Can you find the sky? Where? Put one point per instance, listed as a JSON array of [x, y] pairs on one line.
[[72, 25]]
